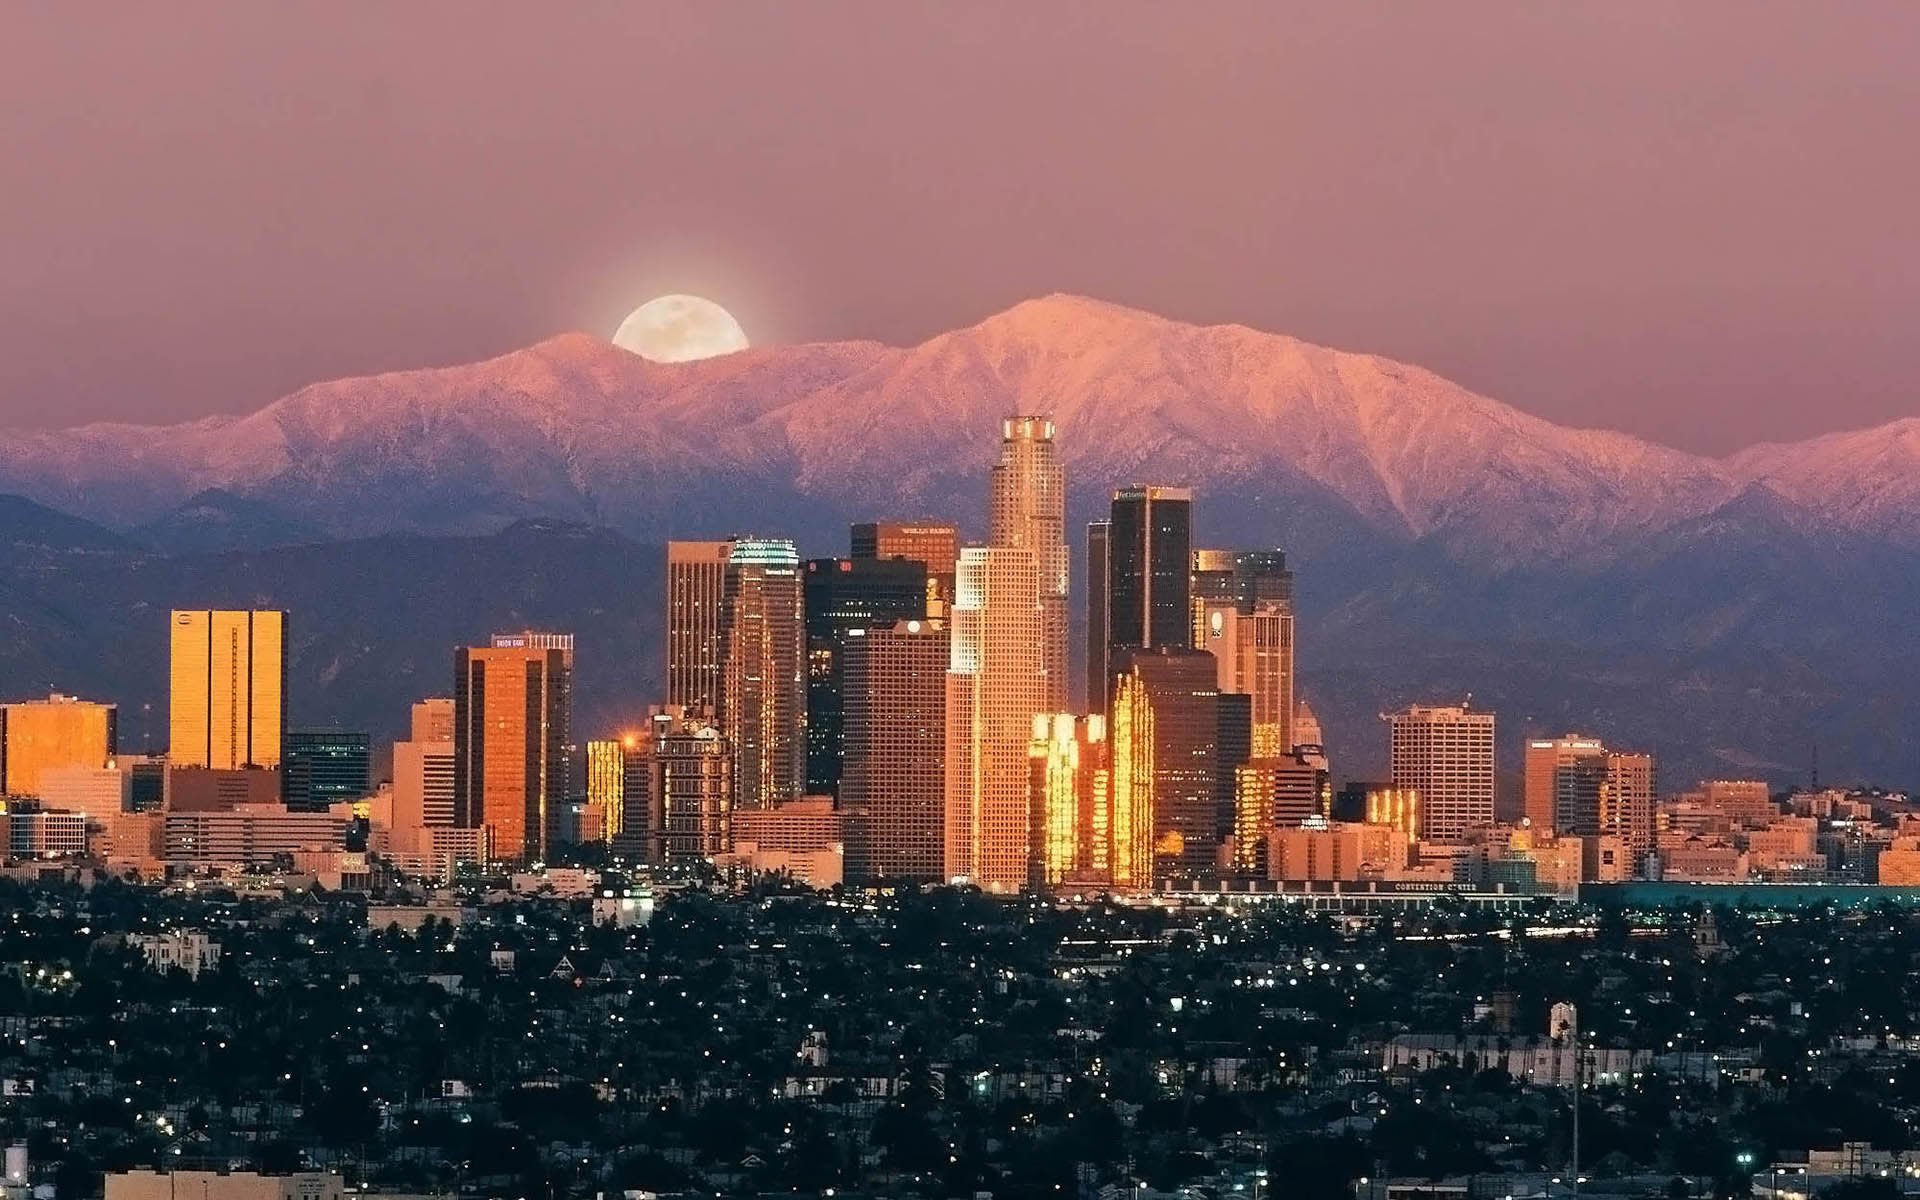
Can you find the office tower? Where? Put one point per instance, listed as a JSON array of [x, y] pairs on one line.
[[1027, 511], [1166, 755], [842, 597], [933, 544], [607, 787], [1445, 752], [1149, 572], [432, 720], [60, 731], [423, 775], [892, 786], [763, 687], [1626, 807], [1233, 748], [1253, 652], [1280, 792], [1095, 665], [696, 593], [692, 787], [996, 682], [1549, 770], [229, 687], [634, 827], [323, 767], [513, 719], [1070, 787]]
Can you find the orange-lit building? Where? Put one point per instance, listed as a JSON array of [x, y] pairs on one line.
[[1072, 794], [59, 731], [513, 712], [1166, 723], [227, 700]]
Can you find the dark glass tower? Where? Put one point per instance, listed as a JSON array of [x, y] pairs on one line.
[[842, 596], [1149, 599], [322, 767]]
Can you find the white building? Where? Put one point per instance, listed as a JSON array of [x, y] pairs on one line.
[[1445, 753]]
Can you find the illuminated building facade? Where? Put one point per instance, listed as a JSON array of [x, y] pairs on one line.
[[892, 787], [1027, 510], [513, 723], [607, 787], [1563, 777], [1166, 772], [60, 731], [996, 682], [696, 594], [1397, 808], [227, 699], [843, 597], [935, 545], [1071, 789], [763, 691], [1445, 753], [1277, 791]]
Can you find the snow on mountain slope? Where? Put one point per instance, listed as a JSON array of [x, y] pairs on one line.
[[1865, 480], [1284, 432]]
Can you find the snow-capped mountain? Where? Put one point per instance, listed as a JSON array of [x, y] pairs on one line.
[[1281, 439]]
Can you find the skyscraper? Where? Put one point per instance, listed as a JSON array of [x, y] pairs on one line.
[[1626, 807], [1027, 511], [692, 787], [229, 685], [892, 785], [513, 724], [1445, 753], [1166, 764], [607, 787], [60, 731], [1094, 667], [1243, 603], [1071, 785], [323, 767], [1149, 572], [763, 692], [696, 593], [842, 596], [423, 775], [996, 682], [1546, 761], [933, 544]]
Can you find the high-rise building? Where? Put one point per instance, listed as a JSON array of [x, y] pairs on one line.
[[1166, 762], [1445, 752], [933, 544], [1149, 572], [692, 787], [892, 786], [696, 594], [1627, 806], [432, 720], [1284, 792], [1071, 786], [1028, 511], [634, 828], [607, 787], [513, 725], [422, 788], [60, 731], [845, 596], [1549, 767], [996, 682], [1253, 651], [323, 767], [763, 690], [1094, 667], [229, 685]]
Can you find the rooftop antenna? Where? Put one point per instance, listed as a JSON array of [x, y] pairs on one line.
[[1814, 780]]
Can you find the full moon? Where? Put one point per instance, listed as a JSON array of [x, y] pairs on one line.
[[680, 329]]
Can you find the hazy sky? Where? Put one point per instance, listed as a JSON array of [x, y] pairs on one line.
[[1693, 221]]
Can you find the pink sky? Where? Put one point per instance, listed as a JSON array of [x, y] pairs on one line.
[[1691, 221]]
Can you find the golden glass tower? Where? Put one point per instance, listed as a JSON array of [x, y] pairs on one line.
[[1027, 510], [229, 687], [513, 716]]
